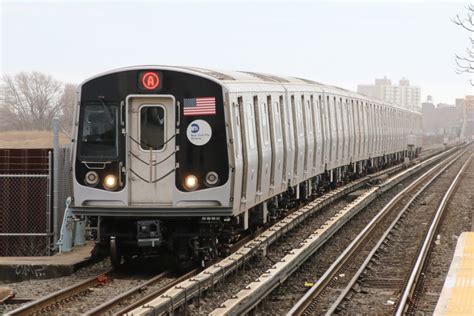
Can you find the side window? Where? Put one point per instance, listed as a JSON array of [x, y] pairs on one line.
[[342, 113], [322, 123], [309, 117], [250, 124], [278, 121], [315, 108], [265, 127], [300, 116], [329, 115], [237, 123], [298, 120]]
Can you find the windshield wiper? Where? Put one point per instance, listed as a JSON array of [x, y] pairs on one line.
[[106, 110]]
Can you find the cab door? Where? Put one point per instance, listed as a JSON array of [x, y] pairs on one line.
[[151, 149]]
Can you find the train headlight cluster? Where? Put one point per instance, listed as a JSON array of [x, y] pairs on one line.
[[110, 182], [92, 178], [191, 182]]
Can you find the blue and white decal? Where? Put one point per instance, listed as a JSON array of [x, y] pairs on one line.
[[199, 132]]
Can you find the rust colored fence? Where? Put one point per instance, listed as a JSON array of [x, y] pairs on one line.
[[24, 161]]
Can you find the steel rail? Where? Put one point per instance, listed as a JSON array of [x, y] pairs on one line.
[[249, 297], [403, 303], [108, 305], [356, 276], [156, 293], [300, 307], [50, 301], [186, 290]]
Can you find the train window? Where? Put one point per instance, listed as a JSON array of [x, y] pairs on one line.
[[278, 121], [329, 116], [152, 127], [298, 116], [265, 127], [98, 135], [250, 124], [309, 116], [237, 123], [280, 109]]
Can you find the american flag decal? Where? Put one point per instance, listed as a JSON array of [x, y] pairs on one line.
[[199, 106]]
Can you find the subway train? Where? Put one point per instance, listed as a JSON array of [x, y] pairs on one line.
[[185, 161]]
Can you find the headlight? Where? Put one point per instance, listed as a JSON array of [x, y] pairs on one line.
[[212, 178], [191, 182], [110, 182], [91, 178]]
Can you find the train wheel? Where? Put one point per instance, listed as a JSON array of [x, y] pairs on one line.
[[115, 256]]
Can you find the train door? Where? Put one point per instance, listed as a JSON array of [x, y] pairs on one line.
[[323, 114], [264, 148], [309, 137], [332, 129], [355, 135], [318, 138], [236, 124], [288, 140], [151, 145], [249, 141], [345, 131], [339, 133], [276, 132], [299, 138], [357, 129]]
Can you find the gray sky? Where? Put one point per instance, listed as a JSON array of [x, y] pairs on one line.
[[339, 42]]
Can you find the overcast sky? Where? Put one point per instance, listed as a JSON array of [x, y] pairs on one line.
[[343, 43]]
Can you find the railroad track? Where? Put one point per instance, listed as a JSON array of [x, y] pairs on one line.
[[58, 302], [140, 294], [347, 275], [54, 301], [177, 296], [149, 290], [409, 297], [248, 298]]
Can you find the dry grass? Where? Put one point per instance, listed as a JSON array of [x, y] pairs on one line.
[[30, 139]]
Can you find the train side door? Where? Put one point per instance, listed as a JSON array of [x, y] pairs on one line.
[[151, 149]]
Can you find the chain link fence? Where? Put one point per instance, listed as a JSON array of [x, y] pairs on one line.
[[27, 200], [25, 221]]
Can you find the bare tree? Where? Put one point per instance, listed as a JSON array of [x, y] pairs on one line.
[[29, 101], [465, 62], [68, 100]]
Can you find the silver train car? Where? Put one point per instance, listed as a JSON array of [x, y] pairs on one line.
[[185, 160]]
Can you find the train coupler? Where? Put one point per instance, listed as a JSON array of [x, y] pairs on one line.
[[149, 233]]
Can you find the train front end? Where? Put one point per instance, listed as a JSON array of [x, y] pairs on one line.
[[151, 162]]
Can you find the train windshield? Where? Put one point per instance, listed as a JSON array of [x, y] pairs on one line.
[[98, 132]]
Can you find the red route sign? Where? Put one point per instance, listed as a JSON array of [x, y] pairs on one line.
[[150, 80]]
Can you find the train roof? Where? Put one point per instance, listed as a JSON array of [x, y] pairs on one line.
[[235, 80]]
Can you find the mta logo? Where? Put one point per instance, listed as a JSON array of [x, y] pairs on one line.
[[194, 128]]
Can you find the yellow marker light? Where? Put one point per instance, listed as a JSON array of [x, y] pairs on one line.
[[110, 182], [191, 182]]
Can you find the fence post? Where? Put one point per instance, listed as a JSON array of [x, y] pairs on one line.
[[50, 206], [55, 179]]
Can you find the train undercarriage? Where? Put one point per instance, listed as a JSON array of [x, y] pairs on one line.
[[199, 240]]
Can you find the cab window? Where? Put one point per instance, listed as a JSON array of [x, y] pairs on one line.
[[152, 127]]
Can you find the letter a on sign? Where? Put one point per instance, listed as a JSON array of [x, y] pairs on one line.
[[150, 80]]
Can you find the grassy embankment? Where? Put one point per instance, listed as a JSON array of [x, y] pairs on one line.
[[30, 139]]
